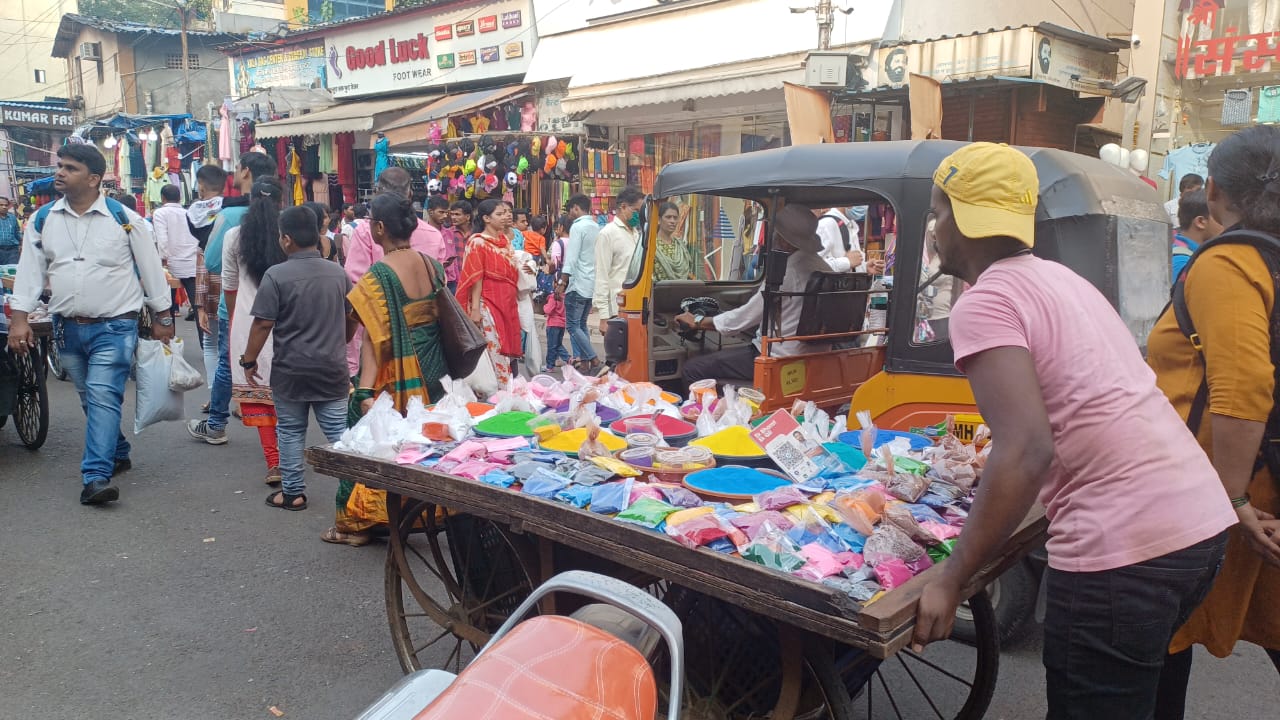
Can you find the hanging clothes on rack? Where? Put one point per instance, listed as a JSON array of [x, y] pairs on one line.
[[224, 136], [295, 176]]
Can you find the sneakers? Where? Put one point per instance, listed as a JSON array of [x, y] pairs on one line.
[[200, 430], [99, 492]]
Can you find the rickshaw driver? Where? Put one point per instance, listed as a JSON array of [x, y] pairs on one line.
[[797, 234]]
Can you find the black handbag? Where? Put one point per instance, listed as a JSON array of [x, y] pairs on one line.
[[464, 344]]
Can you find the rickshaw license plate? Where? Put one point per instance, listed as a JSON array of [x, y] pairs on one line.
[[964, 426]]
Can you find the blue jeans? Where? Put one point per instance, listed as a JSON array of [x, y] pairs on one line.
[[209, 347], [220, 392], [555, 346], [98, 358], [576, 310], [291, 433], [9, 254]]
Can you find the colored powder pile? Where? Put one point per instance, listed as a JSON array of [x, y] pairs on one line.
[[570, 441], [734, 481], [731, 442], [665, 425], [507, 424]]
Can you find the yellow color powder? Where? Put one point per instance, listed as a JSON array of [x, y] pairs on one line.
[[732, 441], [571, 441]]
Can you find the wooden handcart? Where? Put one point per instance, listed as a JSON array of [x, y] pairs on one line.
[[759, 643], [23, 390]]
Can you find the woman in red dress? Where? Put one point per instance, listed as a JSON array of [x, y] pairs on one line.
[[487, 285]]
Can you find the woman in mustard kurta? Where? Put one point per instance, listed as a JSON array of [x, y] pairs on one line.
[[1230, 295]]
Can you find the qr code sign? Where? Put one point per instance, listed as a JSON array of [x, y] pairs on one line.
[[791, 457]]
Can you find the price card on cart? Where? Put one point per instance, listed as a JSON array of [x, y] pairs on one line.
[[782, 439]]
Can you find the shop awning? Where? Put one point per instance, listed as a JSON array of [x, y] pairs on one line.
[[412, 129], [348, 117], [707, 82]]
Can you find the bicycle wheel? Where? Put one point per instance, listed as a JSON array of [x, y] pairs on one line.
[[31, 409]]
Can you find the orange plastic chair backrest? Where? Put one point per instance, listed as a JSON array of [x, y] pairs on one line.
[[552, 667]]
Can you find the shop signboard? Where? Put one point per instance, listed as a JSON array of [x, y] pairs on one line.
[[301, 66], [551, 117], [1061, 62], [424, 50], [1204, 52], [1005, 52], [37, 118]]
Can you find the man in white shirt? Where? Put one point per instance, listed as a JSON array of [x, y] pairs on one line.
[[615, 244], [578, 281], [1189, 183], [100, 272], [839, 237], [178, 247], [796, 232]]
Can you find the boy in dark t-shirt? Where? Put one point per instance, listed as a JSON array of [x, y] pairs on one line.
[[302, 306]]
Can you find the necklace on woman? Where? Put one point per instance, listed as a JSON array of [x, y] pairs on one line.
[[400, 250]]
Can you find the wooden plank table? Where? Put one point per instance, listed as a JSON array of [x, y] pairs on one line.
[[881, 628]]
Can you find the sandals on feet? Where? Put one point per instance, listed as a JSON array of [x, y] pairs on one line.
[[273, 477], [337, 537], [284, 501]]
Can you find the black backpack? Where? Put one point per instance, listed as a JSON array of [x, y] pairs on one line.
[[844, 230], [1268, 247]]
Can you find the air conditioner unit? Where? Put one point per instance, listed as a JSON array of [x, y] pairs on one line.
[[90, 51], [827, 70]]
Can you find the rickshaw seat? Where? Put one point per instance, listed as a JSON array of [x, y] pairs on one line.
[[834, 302], [552, 666]]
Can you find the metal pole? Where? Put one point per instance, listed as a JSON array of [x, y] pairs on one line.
[[186, 66], [826, 19]]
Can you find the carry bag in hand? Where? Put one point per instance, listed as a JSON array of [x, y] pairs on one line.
[[464, 344]]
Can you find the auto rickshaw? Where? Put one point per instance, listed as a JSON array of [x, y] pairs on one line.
[[1097, 219]]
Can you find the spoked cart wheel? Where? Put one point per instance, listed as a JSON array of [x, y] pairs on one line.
[[54, 361], [31, 406], [949, 681], [451, 580], [740, 665]]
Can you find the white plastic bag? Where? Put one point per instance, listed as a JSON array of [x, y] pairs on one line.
[[182, 377], [378, 434], [484, 379], [155, 401]]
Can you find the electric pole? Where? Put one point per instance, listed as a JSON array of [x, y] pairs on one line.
[[826, 12]]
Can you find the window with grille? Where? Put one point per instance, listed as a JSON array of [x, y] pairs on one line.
[[173, 61]]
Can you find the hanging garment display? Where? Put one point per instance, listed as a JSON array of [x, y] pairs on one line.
[[1237, 106], [1269, 104], [224, 136], [381, 148], [1187, 159]]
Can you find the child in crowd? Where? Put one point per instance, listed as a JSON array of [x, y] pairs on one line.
[[302, 305], [557, 355]]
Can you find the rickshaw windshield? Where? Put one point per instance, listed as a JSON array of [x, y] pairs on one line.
[[700, 237]]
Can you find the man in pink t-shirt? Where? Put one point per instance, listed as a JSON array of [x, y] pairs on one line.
[[363, 252], [1137, 514]]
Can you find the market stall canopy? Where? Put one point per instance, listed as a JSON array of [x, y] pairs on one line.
[[412, 129], [1071, 185], [286, 100], [40, 187], [348, 117], [690, 85]]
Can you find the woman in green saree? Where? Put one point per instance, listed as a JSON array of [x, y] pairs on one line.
[[395, 302], [673, 261]]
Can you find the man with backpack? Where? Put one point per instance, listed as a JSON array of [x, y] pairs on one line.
[[101, 264], [839, 241], [1195, 227]]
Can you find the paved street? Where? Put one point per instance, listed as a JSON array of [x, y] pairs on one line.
[[191, 599]]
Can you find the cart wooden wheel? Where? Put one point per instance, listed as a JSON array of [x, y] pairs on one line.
[[451, 580], [741, 665], [31, 406], [949, 681]]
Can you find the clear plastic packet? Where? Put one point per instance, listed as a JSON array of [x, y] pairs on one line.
[[614, 465], [780, 498], [851, 561], [899, 515], [642, 490], [892, 573], [860, 591], [522, 470], [810, 528], [592, 447], [575, 495], [591, 475], [687, 514], [850, 537], [887, 543], [544, 484], [773, 549], [754, 523], [920, 564], [924, 513], [646, 512], [697, 531], [942, 550], [819, 563], [869, 433], [679, 496], [940, 531], [497, 478], [860, 509], [611, 498], [907, 487]]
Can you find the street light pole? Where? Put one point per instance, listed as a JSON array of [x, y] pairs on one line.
[[826, 12]]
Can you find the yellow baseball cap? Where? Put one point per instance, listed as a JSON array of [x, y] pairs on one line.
[[993, 190]]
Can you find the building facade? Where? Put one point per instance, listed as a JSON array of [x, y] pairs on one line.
[[126, 67], [31, 74]]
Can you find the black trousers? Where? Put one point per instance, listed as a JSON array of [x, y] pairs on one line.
[[189, 285], [1106, 633], [734, 365]]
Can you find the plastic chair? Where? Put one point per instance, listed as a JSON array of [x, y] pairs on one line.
[[552, 665]]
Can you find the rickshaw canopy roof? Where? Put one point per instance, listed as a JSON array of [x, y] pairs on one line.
[[843, 174]]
